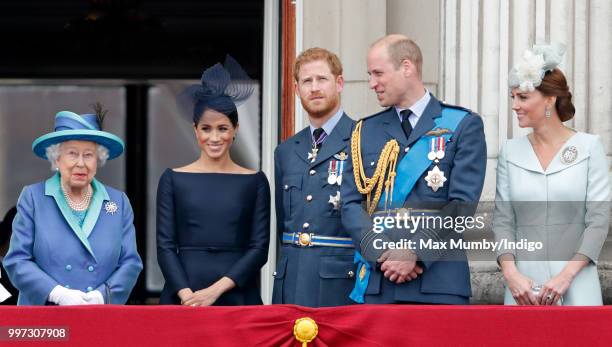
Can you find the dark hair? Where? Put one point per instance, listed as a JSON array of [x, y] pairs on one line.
[[226, 108], [555, 84]]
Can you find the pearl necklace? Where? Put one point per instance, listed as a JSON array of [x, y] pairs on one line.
[[81, 205]]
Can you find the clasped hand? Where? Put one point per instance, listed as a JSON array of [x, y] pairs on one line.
[[551, 292], [202, 297], [399, 266], [66, 297]]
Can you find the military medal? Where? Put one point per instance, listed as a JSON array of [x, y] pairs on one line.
[[312, 156], [332, 172], [340, 170], [440, 151], [335, 200], [569, 155], [435, 178], [315, 146], [432, 149]]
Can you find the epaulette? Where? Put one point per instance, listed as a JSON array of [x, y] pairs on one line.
[[375, 114], [444, 104]]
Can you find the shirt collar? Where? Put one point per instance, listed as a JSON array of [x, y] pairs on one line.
[[329, 126], [417, 108]]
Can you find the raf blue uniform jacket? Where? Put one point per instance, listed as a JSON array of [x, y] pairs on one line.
[[319, 275], [463, 165], [48, 249]]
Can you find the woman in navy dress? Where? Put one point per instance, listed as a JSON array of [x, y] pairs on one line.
[[213, 216]]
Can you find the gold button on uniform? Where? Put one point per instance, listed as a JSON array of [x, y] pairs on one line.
[[309, 198]]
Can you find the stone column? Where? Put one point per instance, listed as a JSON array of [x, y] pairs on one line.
[[600, 70], [419, 20], [347, 28]]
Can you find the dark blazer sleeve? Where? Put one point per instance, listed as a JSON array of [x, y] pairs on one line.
[[167, 240], [278, 195], [259, 238]]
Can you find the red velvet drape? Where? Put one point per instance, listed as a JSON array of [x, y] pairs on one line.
[[363, 325]]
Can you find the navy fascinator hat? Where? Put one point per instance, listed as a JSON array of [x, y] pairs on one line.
[[222, 88]]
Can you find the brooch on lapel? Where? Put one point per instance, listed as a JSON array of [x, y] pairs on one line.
[[110, 207], [569, 155]]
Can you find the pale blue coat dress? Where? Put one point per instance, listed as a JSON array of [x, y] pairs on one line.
[[565, 206]]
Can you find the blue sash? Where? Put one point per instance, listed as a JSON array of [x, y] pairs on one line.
[[409, 169]]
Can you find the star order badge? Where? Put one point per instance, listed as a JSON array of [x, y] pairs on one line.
[[435, 178], [335, 200], [110, 207]]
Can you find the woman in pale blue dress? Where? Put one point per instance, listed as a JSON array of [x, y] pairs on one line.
[[552, 187]]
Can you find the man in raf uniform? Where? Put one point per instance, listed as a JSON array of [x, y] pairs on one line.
[[417, 152], [316, 266]]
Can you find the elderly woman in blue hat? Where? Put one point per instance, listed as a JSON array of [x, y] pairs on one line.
[[73, 239]]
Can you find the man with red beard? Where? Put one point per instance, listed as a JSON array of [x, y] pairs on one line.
[[316, 266]]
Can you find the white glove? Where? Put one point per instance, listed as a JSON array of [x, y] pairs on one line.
[[94, 298], [63, 296]]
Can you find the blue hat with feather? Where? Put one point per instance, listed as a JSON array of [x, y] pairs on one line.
[[85, 127]]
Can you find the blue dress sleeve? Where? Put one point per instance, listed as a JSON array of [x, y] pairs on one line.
[[167, 242], [20, 263], [259, 239], [117, 288]]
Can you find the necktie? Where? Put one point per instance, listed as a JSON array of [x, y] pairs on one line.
[[406, 126], [319, 136]]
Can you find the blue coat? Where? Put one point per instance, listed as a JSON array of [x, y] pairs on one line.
[[319, 275], [463, 165], [49, 248]]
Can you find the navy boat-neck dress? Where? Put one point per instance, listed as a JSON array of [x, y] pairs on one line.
[[211, 225]]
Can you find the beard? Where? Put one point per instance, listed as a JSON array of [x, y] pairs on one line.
[[323, 108]]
